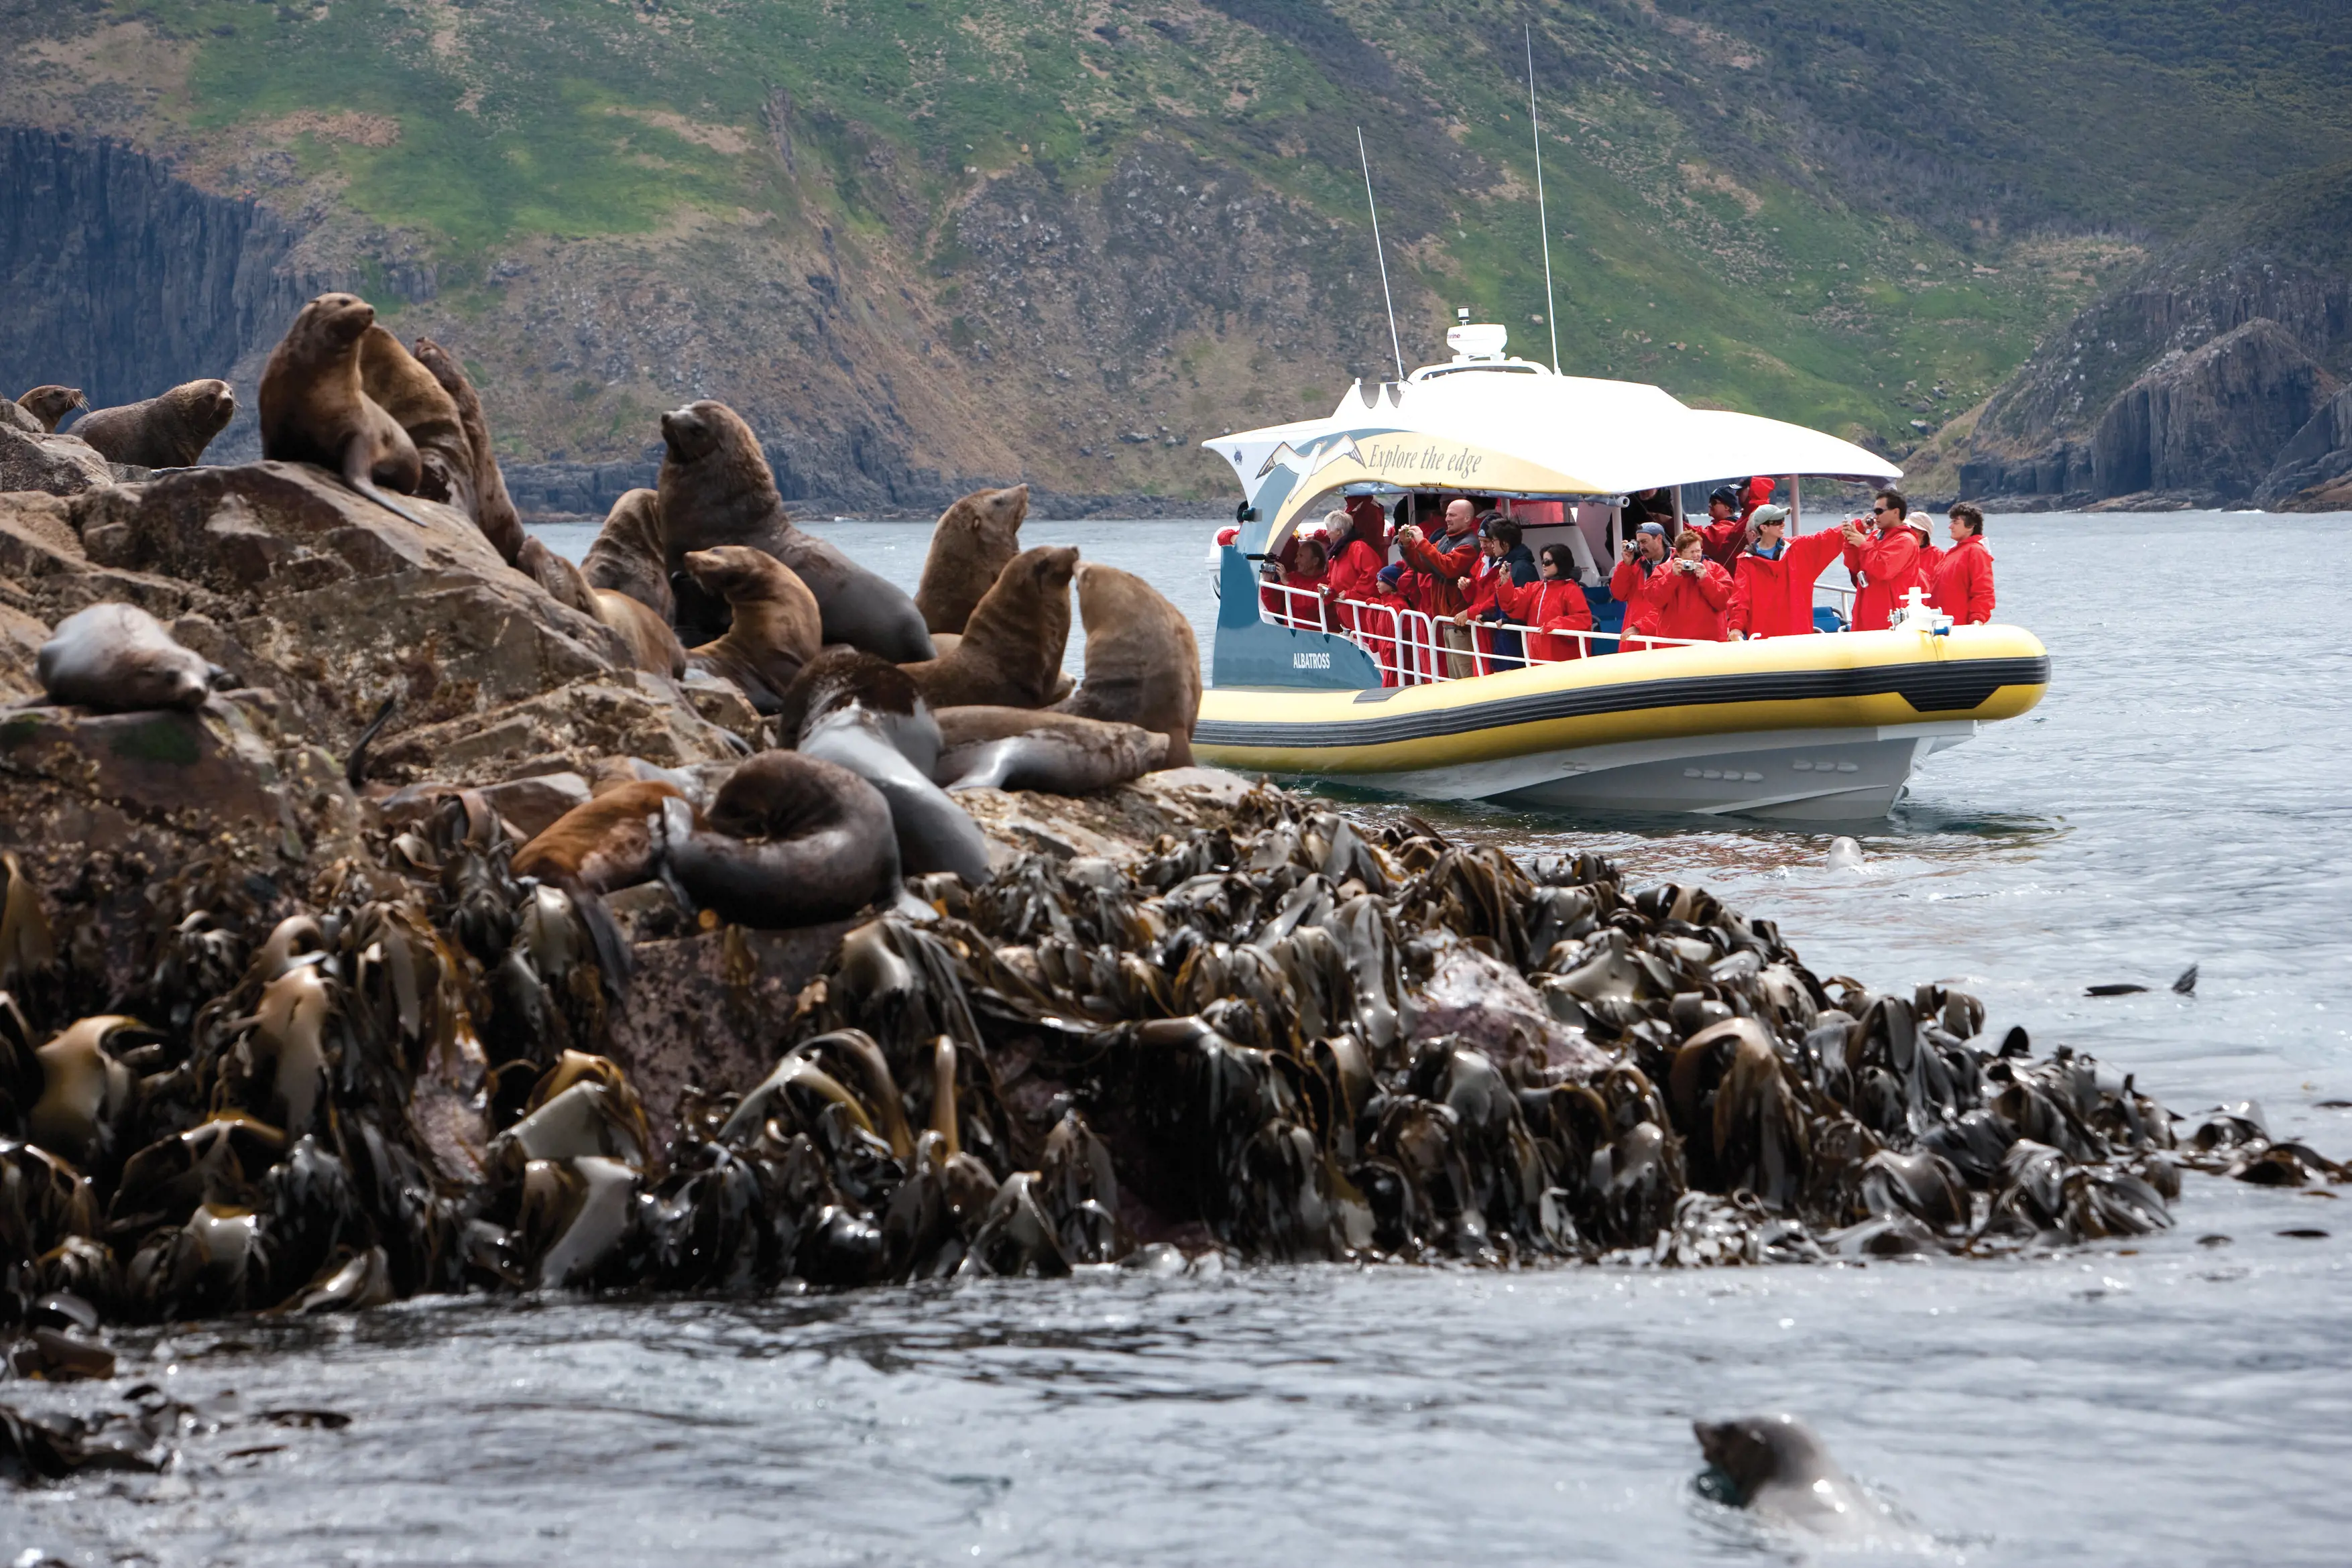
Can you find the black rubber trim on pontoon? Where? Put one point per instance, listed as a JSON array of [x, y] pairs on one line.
[[1958, 687]]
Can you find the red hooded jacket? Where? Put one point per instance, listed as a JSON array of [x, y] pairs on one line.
[[1686, 605], [1886, 569], [1547, 604], [1964, 582], [1451, 556], [1774, 596]]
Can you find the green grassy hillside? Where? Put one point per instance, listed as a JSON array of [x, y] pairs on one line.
[[1856, 216]]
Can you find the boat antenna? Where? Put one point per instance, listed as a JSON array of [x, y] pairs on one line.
[[1551, 311], [1390, 299]]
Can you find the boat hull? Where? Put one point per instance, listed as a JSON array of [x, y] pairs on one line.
[[1823, 728]]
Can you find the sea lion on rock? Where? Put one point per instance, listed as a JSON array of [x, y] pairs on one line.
[[1143, 665], [493, 509], [49, 404], [171, 431], [790, 841], [399, 384], [1027, 748], [974, 539], [1777, 1466], [864, 713], [774, 630], [651, 645], [1011, 652], [314, 411], [627, 556], [607, 843], [715, 488], [118, 657]]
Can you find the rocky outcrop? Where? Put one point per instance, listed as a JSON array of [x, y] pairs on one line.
[[2212, 419], [59, 464], [2313, 472]]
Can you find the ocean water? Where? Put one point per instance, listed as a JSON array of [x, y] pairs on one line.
[[2184, 795]]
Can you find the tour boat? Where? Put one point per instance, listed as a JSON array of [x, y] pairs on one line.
[[1822, 727]]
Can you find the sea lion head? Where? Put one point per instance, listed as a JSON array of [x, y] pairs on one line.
[[335, 320], [994, 512], [839, 676], [694, 432], [1048, 567], [732, 572], [52, 403], [1757, 1449], [210, 404]]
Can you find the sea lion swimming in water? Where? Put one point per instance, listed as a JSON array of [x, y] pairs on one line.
[[314, 411], [774, 630], [791, 840], [168, 431], [629, 558], [48, 405], [715, 488], [118, 657], [973, 540], [865, 714], [1011, 652], [1143, 663], [399, 384], [1776, 1466], [1027, 748]]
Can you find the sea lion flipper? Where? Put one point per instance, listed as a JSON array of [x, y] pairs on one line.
[[358, 454]]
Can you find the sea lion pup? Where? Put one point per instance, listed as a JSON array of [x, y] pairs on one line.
[[1026, 748], [717, 489], [603, 844], [399, 384], [48, 405], [1011, 652], [1777, 1466], [313, 410], [790, 841], [493, 509], [627, 555], [775, 631], [170, 431], [1143, 665], [864, 713], [118, 657], [974, 539]]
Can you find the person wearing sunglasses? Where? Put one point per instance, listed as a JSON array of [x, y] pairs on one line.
[[1884, 563]]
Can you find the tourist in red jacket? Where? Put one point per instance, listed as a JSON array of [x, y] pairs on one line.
[[1645, 554], [1684, 598], [1964, 571], [1726, 528], [1883, 566], [1363, 604], [1305, 586], [1554, 602], [1772, 592]]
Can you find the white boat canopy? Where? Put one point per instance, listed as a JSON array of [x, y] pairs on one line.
[[1505, 426]]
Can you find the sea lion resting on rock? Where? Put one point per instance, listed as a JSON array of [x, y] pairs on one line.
[[117, 656], [1011, 652], [863, 712], [1143, 665], [602, 845], [493, 509], [790, 841], [48, 405], [1024, 749], [715, 488], [1777, 1466], [651, 645], [627, 556], [775, 631], [974, 539], [314, 411], [171, 431], [399, 384]]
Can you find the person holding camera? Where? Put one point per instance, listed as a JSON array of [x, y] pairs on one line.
[[1440, 564], [1683, 597], [1883, 565], [1772, 591], [1964, 571], [1644, 553], [1504, 559]]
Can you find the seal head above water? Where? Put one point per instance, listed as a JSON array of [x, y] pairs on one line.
[[1776, 1466]]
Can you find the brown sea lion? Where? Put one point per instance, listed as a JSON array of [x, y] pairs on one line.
[[313, 410], [627, 555], [48, 405], [717, 489], [791, 840], [651, 645], [774, 628], [1011, 653], [1143, 665], [600, 846], [1029, 748], [167, 432], [974, 539], [494, 510], [118, 657], [401, 386], [1776, 1466]]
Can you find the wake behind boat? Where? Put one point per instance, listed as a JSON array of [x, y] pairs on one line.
[[1817, 727]]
